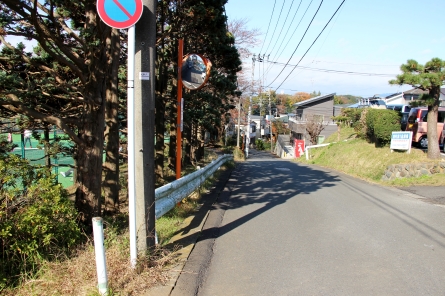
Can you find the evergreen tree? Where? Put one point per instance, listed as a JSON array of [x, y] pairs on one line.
[[202, 26], [429, 78], [64, 82]]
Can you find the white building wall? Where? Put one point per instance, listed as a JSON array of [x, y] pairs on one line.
[[396, 100]]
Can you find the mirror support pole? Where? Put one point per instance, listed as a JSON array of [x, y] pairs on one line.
[[179, 115]]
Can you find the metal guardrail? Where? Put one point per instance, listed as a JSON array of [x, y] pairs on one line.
[[314, 146], [170, 194]]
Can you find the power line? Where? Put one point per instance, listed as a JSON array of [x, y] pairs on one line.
[[285, 35], [287, 31], [316, 61], [312, 43], [298, 43], [268, 26], [278, 20], [335, 71]]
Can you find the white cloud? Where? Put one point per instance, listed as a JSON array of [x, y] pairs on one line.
[[438, 40]]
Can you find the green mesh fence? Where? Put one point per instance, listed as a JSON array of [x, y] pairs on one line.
[[36, 156], [61, 163]]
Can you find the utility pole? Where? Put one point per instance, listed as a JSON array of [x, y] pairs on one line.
[[144, 119], [239, 122], [250, 110], [270, 124], [260, 103]]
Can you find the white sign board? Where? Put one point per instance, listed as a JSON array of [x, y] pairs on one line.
[[144, 75], [401, 141]]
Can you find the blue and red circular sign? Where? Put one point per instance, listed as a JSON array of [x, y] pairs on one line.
[[120, 14]]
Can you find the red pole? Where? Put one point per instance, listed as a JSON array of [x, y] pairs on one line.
[[179, 122]]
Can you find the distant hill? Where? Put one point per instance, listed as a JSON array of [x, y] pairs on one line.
[[346, 99]]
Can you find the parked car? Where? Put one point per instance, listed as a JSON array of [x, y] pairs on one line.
[[399, 107], [442, 138], [403, 120], [417, 123]]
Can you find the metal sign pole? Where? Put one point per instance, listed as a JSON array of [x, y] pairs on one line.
[[130, 147]]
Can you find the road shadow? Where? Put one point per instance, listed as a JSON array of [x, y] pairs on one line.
[[262, 179]]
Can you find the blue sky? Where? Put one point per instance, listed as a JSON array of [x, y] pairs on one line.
[[371, 37]]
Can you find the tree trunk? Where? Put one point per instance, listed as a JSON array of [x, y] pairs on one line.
[[188, 156], [200, 143], [433, 112], [110, 184], [90, 142], [193, 141], [338, 132], [172, 148], [89, 165], [47, 145], [172, 145], [160, 145], [162, 96]]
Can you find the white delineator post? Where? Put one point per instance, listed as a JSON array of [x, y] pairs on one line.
[[101, 266], [130, 147]]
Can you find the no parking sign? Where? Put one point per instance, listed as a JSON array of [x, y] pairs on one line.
[[120, 14]]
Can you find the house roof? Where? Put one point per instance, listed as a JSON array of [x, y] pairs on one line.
[[312, 100], [394, 95], [284, 119], [415, 91], [387, 95]]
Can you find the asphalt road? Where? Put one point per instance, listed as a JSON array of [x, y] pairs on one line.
[[281, 228]]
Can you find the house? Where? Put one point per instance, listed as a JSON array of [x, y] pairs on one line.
[[339, 107], [413, 95], [320, 109], [261, 124], [395, 99]]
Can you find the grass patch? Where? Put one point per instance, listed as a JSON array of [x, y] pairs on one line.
[[433, 180], [77, 275], [363, 160], [171, 223]]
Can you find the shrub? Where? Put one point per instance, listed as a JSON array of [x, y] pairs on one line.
[[360, 125], [231, 141], [259, 144], [37, 221], [238, 154], [380, 125], [349, 116]]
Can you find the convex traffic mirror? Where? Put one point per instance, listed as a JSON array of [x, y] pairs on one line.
[[195, 71]]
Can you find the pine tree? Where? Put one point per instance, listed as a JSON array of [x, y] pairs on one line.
[[429, 78]]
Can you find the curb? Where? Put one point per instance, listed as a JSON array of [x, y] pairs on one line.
[[190, 232]]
